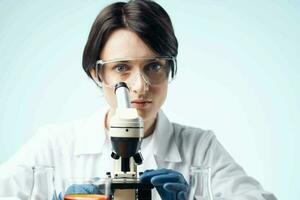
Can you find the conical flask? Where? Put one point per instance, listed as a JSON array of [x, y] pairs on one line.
[[43, 183], [200, 186]]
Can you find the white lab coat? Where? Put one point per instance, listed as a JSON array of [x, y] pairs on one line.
[[82, 149]]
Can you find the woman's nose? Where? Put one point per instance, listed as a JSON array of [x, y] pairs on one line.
[[140, 84]]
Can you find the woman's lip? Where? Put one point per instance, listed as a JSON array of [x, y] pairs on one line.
[[140, 104], [141, 101]]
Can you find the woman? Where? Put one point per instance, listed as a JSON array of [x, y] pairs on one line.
[[132, 42]]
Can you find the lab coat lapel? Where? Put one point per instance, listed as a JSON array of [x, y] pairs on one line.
[[164, 146], [149, 162]]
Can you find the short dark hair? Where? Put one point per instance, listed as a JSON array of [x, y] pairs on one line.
[[144, 17]]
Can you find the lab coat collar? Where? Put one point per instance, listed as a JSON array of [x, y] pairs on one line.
[[90, 134], [91, 137], [164, 146]]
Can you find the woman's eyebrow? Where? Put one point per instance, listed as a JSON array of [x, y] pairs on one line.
[[122, 61]]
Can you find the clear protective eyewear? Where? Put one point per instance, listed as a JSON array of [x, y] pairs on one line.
[[153, 70]]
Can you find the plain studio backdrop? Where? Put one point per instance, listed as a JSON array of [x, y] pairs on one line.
[[238, 75]]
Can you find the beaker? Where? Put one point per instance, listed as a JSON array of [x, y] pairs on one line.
[[43, 183], [200, 185]]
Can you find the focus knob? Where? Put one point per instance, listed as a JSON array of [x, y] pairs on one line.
[[115, 155]]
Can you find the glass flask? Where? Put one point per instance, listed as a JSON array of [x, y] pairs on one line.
[[43, 183], [200, 186]]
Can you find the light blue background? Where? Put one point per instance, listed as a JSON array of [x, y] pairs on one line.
[[239, 71]]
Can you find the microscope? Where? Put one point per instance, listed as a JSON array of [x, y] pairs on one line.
[[126, 130]]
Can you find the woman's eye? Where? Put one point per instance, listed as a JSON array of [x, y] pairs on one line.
[[153, 67], [120, 68]]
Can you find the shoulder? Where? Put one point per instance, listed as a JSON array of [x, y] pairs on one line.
[[191, 139], [70, 130], [62, 138], [204, 143], [190, 133], [40, 147], [53, 141], [182, 134], [56, 134], [64, 130]]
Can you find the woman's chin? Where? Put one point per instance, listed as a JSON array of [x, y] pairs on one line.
[[146, 115]]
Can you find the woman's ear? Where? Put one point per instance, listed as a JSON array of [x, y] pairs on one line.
[[94, 76]]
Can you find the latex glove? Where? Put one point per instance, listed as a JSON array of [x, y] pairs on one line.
[[81, 189], [170, 184]]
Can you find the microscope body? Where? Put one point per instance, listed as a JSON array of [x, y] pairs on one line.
[[126, 131]]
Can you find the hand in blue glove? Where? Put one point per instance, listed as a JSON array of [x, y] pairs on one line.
[[81, 189], [170, 184]]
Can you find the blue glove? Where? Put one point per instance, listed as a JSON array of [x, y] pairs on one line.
[[170, 184], [81, 189]]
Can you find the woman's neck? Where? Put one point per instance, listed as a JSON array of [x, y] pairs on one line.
[[149, 126]]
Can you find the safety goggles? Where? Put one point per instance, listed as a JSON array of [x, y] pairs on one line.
[[153, 70]]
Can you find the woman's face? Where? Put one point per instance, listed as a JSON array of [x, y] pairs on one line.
[[147, 99]]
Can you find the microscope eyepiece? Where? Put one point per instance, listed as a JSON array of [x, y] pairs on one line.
[[120, 84], [122, 95]]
